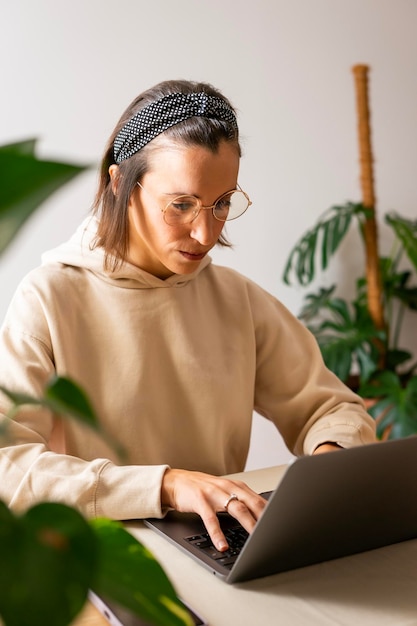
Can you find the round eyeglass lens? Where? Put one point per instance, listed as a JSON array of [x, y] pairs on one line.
[[231, 205], [181, 210], [184, 209]]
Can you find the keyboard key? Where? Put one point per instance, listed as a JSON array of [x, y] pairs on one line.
[[235, 536]]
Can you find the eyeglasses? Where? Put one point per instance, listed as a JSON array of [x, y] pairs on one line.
[[185, 209]]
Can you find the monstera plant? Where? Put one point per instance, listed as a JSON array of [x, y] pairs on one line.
[[51, 556]]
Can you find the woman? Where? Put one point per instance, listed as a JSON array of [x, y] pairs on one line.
[[174, 352]]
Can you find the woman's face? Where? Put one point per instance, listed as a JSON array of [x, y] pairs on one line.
[[161, 249]]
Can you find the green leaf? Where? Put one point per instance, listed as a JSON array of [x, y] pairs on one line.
[[394, 358], [131, 576], [25, 183], [314, 303], [330, 229], [337, 355], [406, 231], [397, 406], [383, 384], [345, 333], [26, 146], [18, 398], [64, 397], [340, 308], [48, 559], [325, 245], [366, 361], [384, 421]]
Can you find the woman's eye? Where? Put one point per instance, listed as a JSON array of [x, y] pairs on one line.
[[223, 205], [182, 206]]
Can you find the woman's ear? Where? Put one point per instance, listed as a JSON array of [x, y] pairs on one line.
[[114, 174]]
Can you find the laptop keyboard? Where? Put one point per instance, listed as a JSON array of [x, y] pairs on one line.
[[235, 536]]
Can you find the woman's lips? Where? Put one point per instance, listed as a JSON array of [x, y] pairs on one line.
[[193, 257]]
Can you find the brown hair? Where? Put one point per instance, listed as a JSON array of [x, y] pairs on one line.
[[111, 208]]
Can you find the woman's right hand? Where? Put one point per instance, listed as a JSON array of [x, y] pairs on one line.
[[207, 495]]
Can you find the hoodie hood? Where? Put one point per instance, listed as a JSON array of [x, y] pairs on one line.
[[78, 251]]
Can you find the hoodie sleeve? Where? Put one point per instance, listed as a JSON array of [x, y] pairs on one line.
[[295, 390], [30, 471]]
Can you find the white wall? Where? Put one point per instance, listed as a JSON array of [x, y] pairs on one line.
[[70, 68]]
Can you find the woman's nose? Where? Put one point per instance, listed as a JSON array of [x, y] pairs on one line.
[[204, 227]]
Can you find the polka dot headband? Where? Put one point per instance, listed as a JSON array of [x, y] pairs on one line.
[[156, 117]]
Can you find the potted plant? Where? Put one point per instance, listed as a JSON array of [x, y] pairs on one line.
[[50, 557], [359, 338]]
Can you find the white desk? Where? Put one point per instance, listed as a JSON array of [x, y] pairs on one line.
[[377, 588]]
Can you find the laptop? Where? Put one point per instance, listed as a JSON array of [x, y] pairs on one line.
[[325, 507]]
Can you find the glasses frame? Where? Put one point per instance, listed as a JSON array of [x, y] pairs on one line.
[[200, 205]]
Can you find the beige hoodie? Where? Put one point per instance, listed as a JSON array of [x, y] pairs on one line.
[[174, 368]]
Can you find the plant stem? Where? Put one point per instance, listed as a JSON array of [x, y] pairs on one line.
[[373, 272]]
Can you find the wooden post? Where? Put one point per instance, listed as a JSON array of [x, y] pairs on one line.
[[373, 272]]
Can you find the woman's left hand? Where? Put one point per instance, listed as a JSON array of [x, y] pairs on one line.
[[327, 447]]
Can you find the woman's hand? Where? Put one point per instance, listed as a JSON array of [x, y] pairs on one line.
[[207, 495]]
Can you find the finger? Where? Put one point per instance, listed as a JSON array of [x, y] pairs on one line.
[[255, 504], [253, 500], [240, 511], [211, 522]]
